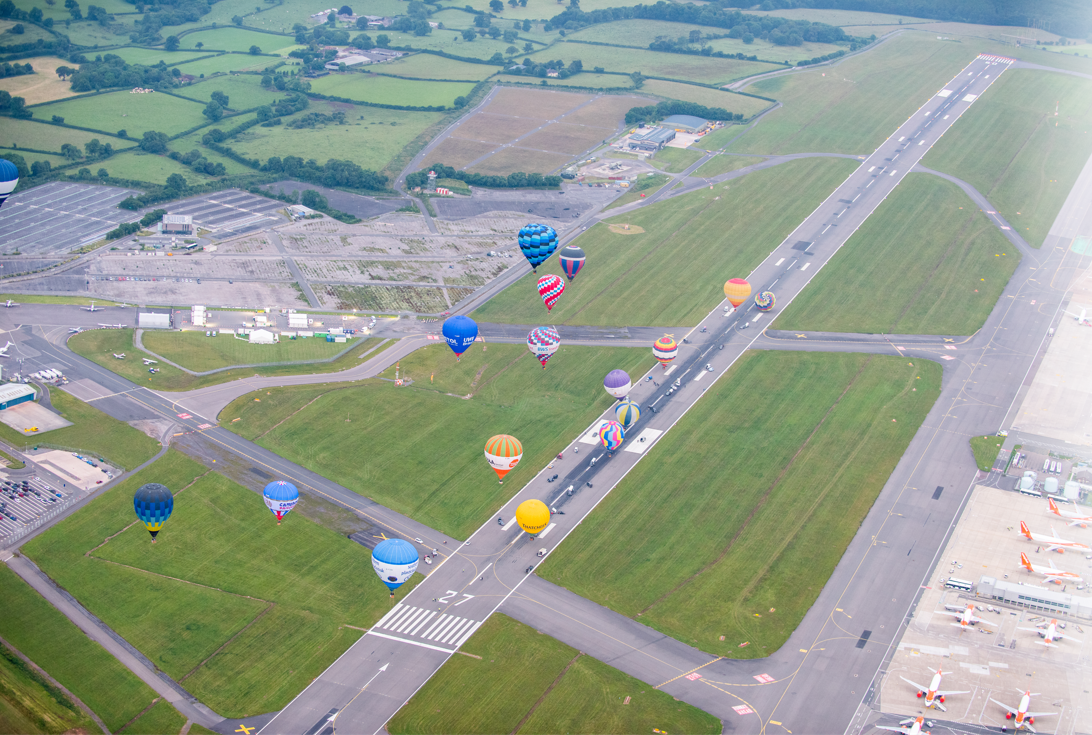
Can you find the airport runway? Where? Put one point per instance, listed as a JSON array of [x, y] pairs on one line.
[[371, 681]]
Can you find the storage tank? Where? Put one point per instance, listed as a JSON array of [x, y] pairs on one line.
[[1050, 486], [1072, 490]]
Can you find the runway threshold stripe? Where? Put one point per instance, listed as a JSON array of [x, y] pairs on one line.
[[412, 643], [442, 628], [455, 632], [467, 635], [433, 626], [399, 618], [393, 610], [409, 621], [421, 624]]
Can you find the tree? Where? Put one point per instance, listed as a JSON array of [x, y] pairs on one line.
[[102, 173], [18, 29], [199, 45], [481, 20], [71, 152], [469, 34], [695, 36], [254, 50], [171, 43], [84, 173], [220, 98], [511, 51], [331, 19], [513, 3], [748, 38], [493, 32], [267, 81], [154, 142], [496, 58], [213, 111], [528, 47], [40, 167], [36, 15], [122, 133], [382, 40], [237, 20], [638, 79], [344, 10], [496, 6], [93, 148], [313, 200], [526, 26], [176, 182], [364, 41], [58, 119], [460, 102], [510, 36], [523, 3], [362, 23]]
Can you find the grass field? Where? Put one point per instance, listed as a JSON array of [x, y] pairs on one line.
[[92, 431], [451, 42], [838, 17], [544, 10], [644, 185], [719, 138], [510, 393], [46, 137], [152, 56], [390, 91], [985, 450], [199, 353], [1012, 148], [29, 704], [676, 160], [224, 63], [41, 86], [563, 691], [281, 598], [234, 39], [699, 240], [101, 344], [140, 166], [47, 638], [134, 113], [244, 92], [744, 105], [722, 164], [811, 438], [427, 66], [856, 104], [584, 79], [940, 264], [159, 720], [654, 63]]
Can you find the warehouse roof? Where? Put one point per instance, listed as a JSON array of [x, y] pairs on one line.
[[686, 121], [11, 391]]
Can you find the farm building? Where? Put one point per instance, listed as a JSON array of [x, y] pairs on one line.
[[176, 224], [653, 139], [686, 123], [351, 60], [13, 394], [154, 321], [261, 337]]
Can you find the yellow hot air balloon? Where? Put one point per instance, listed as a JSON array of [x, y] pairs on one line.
[[532, 516], [737, 290]]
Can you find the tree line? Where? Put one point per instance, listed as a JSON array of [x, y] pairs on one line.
[[517, 180], [678, 107]]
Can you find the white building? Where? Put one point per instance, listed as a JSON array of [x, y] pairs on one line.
[[262, 337]]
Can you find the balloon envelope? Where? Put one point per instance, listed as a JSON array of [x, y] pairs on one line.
[[153, 504], [572, 260], [737, 290], [617, 383], [395, 561], [764, 301], [532, 516], [503, 453], [460, 332], [665, 349], [611, 434], [538, 242], [550, 289], [9, 179], [627, 412], [543, 343], [280, 497]]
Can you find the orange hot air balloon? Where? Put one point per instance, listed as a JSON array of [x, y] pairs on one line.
[[737, 290], [503, 453]]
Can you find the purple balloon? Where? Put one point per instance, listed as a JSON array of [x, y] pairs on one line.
[[617, 383]]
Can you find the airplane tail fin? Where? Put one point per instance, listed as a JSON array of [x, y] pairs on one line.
[[1024, 560], [1024, 530], [1053, 507]]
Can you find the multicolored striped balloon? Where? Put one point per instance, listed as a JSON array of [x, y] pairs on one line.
[[543, 343], [572, 260], [550, 289], [737, 290], [764, 301], [538, 242], [612, 435], [627, 412], [503, 453], [665, 349]]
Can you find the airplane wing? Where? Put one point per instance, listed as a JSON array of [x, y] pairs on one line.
[[1032, 630], [903, 730], [1041, 714], [984, 622], [1005, 707], [917, 686], [946, 694]]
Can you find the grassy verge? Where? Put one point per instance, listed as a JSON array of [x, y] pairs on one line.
[[723, 164], [763, 483], [91, 430], [699, 241], [160, 719], [985, 450], [1013, 148], [638, 189], [327, 426], [563, 691], [674, 160], [199, 353], [938, 261], [210, 582], [47, 638], [29, 704], [22, 298], [13, 464]]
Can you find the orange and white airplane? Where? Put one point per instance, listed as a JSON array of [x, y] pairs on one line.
[[966, 618], [915, 729], [1052, 573], [1049, 633], [1052, 542], [1071, 519], [932, 695], [1024, 719]]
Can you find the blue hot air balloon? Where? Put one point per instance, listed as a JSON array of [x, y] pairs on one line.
[[460, 332], [627, 412], [280, 497], [395, 561], [153, 504], [572, 260], [9, 179], [538, 242]]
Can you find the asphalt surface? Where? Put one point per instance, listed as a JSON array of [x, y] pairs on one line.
[[61, 216], [426, 627]]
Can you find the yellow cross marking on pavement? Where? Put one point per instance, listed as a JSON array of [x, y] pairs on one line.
[[948, 340], [381, 535], [244, 729], [801, 336]]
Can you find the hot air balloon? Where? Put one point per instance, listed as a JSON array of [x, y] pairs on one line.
[[538, 242], [617, 383], [550, 289], [280, 497], [9, 179], [611, 434], [532, 516], [460, 332], [543, 343], [737, 290], [665, 350], [764, 301], [395, 561], [503, 453], [572, 260], [627, 412], [153, 504]]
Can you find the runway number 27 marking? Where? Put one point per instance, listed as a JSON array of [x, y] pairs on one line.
[[452, 593]]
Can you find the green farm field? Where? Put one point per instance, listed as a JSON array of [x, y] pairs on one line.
[[160, 719], [390, 91], [813, 438], [58, 12], [199, 353], [154, 169], [29, 704], [152, 56], [939, 262], [134, 113], [654, 63], [741, 103], [699, 240], [449, 41], [428, 66], [510, 394], [47, 137], [722, 164], [100, 345], [839, 17], [494, 690], [1012, 148], [584, 79], [544, 10], [858, 103], [45, 636], [91, 431], [234, 39], [222, 571], [224, 63]]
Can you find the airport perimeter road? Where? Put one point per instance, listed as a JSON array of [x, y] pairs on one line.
[[382, 670]]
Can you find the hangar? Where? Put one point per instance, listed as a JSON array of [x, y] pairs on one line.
[[13, 394]]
